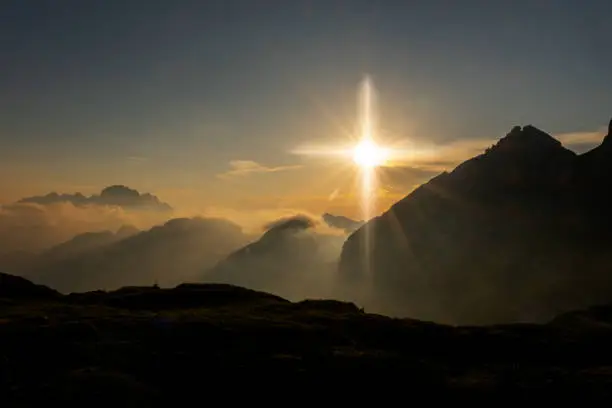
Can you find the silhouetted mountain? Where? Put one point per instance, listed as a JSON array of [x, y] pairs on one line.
[[288, 259], [140, 346], [519, 232], [15, 287], [116, 195], [166, 254], [595, 169]]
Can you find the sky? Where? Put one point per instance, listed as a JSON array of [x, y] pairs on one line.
[[203, 103]]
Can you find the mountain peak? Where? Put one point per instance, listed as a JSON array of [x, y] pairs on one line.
[[525, 151], [608, 137], [526, 138]]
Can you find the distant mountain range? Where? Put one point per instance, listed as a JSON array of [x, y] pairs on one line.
[[520, 232], [167, 254], [289, 258]]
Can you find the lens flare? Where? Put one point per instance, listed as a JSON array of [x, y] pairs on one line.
[[368, 154], [363, 149]]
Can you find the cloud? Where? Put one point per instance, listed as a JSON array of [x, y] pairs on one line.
[[246, 167], [293, 223], [255, 219], [436, 158], [581, 141], [341, 222], [116, 195], [334, 194], [30, 226]]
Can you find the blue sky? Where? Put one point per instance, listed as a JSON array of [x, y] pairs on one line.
[[162, 95]]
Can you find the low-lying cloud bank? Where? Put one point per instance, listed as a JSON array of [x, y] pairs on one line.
[[36, 223]]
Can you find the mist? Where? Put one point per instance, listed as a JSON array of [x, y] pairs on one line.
[[80, 247], [33, 227], [74, 243], [292, 258]]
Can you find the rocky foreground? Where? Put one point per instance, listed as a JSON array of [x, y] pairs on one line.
[[198, 343]]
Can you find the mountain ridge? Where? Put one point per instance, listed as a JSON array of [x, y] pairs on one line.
[[167, 253], [525, 200]]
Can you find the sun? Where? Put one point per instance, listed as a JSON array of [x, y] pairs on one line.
[[362, 154], [368, 155]]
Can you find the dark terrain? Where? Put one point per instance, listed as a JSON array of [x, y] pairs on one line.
[[524, 228], [206, 342]]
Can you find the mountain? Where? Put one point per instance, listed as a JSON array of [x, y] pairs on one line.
[[518, 233], [289, 259], [595, 168], [141, 346], [21, 262], [86, 242], [15, 287], [165, 254]]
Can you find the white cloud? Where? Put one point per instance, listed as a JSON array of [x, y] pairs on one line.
[[446, 156], [246, 167]]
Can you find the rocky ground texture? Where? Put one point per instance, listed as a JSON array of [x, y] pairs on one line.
[[152, 347]]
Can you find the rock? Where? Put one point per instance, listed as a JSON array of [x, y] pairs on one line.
[[18, 287]]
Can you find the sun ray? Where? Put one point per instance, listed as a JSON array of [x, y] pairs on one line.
[[363, 150], [367, 154]]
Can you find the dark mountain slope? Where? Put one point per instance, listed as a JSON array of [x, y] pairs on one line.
[[16, 287], [22, 262], [86, 242], [288, 259], [512, 234], [595, 170], [167, 254]]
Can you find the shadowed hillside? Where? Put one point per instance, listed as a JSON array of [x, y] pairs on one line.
[[146, 346], [289, 259], [519, 233], [24, 262], [167, 254]]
